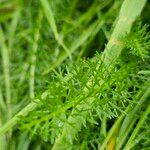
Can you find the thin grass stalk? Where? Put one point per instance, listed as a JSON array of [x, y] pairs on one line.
[[33, 57], [90, 32], [104, 126], [2, 110], [6, 65], [76, 44], [87, 16], [51, 20], [137, 128], [102, 20], [3, 106], [130, 117], [13, 28], [123, 139], [14, 120]]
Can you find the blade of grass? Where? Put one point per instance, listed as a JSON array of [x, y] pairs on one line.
[[2, 103], [137, 128], [50, 18], [14, 120], [33, 57], [130, 10], [6, 65], [2, 109], [103, 126], [76, 44], [91, 31], [129, 118], [122, 139], [13, 28], [87, 16], [102, 19]]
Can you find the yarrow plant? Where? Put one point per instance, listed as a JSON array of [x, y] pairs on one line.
[[70, 97]]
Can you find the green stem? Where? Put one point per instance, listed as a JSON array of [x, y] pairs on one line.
[[130, 117], [75, 45], [51, 20], [14, 120], [123, 27], [6, 65], [103, 126], [34, 51], [137, 128], [87, 16], [102, 20], [50, 17], [2, 104], [124, 137], [2, 111], [13, 28]]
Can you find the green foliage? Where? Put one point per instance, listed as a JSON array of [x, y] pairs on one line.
[[62, 87], [111, 94]]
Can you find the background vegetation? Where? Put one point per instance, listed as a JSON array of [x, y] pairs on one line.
[[74, 74]]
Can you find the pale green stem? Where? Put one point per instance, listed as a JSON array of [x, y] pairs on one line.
[[14, 120], [102, 20], [2, 109], [50, 17], [130, 10], [130, 117], [6, 65], [103, 126]]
